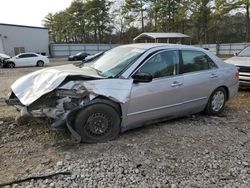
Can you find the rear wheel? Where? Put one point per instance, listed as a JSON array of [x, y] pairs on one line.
[[216, 101], [11, 65], [97, 123], [40, 63]]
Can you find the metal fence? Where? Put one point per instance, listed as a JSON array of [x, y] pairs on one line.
[[225, 48], [63, 50]]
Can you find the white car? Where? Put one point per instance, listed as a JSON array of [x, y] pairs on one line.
[[26, 59], [242, 61]]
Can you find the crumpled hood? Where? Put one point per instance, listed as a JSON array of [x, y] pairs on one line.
[[32, 86], [4, 56], [239, 61]]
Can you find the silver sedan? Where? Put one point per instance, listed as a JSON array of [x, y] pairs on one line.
[[127, 87]]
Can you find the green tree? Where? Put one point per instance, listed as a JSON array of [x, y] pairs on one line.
[[99, 20], [200, 17], [49, 22], [165, 14], [60, 27], [104, 21], [83, 21], [119, 22], [135, 9], [223, 7], [77, 21]]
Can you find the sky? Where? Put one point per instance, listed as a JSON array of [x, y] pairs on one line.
[[29, 12]]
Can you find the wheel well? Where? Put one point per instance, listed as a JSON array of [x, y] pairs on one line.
[[105, 100], [11, 62], [227, 91], [100, 99], [39, 61]]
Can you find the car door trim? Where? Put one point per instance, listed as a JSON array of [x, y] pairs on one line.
[[194, 100], [153, 109], [164, 107]]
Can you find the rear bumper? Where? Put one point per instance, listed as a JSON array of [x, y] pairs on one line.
[[233, 90]]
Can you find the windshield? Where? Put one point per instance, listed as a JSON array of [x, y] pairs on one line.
[[79, 53], [245, 52], [114, 61]]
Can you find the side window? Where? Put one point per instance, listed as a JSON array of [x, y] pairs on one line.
[[27, 55], [22, 56], [196, 61], [162, 64], [31, 55]]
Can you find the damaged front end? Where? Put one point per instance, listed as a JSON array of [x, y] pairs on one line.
[[59, 101], [56, 105]]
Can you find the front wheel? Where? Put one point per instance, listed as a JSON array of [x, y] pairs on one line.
[[216, 102], [11, 65], [97, 123]]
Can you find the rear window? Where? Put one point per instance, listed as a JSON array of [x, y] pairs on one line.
[[196, 61]]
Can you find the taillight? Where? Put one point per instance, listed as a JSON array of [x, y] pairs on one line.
[[237, 74]]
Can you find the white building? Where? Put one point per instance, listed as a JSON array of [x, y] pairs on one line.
[[15, 39]]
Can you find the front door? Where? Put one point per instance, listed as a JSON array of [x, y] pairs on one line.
[[21, 61], [160, 98]]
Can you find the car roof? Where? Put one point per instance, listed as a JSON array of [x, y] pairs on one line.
[[28, 53], [147, 46]]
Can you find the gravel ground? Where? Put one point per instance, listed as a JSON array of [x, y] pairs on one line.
[[194, 151]]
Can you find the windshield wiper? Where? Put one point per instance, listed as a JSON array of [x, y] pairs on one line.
[[98, 71]]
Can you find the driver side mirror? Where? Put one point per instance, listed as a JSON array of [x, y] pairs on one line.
[[142, 77], [235, 54]]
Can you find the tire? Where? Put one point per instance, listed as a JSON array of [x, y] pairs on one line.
[[40, 63], [97, 123], [216, 102], [11, 65]]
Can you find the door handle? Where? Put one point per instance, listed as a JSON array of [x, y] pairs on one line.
[[175, 84], [213, 75]]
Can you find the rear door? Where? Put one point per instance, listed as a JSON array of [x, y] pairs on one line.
[[31, 59], [162, 97], [201, 77]]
